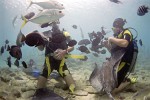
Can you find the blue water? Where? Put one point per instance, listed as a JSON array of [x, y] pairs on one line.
[[90, 15]]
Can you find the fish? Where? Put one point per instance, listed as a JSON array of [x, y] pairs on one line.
[[102, 31], [95, 54], [82, 35], [6, 41], [96, 41], [31, 63], [84, 42], [9, 61], [15, 51], [5, 46], [16, 63], [28, 16], [24, 64], [142, 10], [103, 77], [8, 48], [103, 51], [14, 19], [74, 26], [34, 39], [115, 1], [140, 42], [50, 4], [20, 39], [84, 49], [45, 16], [92, 35], [2, 50], [72, 43]]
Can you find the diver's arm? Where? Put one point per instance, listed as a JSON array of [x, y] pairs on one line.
[[119, 42]]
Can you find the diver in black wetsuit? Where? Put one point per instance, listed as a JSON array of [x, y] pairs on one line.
[[123, 38], [55, 52]]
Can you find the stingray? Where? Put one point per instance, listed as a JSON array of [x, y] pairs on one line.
[[104, 78]]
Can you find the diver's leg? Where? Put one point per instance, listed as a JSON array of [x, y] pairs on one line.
[[41, 82], [67, 77], [121, 87]]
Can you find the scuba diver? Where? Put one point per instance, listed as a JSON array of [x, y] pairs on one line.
[[55, 51], [123, 39]]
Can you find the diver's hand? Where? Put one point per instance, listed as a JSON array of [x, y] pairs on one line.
[[61, 54], [110, 41]]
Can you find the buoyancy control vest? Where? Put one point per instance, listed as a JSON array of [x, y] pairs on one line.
[[135, 49], [57, 41]]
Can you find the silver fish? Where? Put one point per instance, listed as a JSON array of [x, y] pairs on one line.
[[51, 4], [45, 16]]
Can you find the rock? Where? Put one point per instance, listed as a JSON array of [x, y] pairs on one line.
[[80, 93], [16, 93], [3, 94], [18, 78], [28, 94], [90, 90]]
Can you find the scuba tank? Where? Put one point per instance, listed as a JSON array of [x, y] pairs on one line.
[[135, 54]]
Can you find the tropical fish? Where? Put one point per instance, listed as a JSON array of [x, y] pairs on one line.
[[13, 22], [103, 51], [74, 26], [95, 54], [115, 1], [82, 35], [24, 64], [45, 16], [9, 61], [8, 48], [16, 63], [140, 42], [142, 10], [15, 52], [72, 43], [84, 42], [2, 49], [20, 39], [92, 35], [96, 41], [5, 46], [84, 49], [34, 39], [31, 63], [6, 41], [50, 4]]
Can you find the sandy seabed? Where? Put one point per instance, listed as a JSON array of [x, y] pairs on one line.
[[17, 85]]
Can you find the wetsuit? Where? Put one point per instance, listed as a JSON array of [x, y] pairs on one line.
[[58, 41], [127, 58]]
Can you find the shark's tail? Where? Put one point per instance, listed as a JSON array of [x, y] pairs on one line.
[[30, 4], [25, 21]]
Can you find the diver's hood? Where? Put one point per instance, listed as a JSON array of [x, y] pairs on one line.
[[119, 22]]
